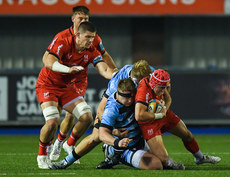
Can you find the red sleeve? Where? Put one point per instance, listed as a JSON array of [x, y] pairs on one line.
[[59, 48], [144, 94], [96, 57], [53, 42], [98, 44], [61, 35]]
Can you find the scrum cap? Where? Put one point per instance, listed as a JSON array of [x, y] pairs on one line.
[[159, 78]]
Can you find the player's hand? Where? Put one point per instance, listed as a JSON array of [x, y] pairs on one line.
[[162, 102], [121, 132], [164, 111], [124, 142], [75, 69]]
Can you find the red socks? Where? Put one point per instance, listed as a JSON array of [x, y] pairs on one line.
[[42, 148], [61, 136], [72, 139], [192, 146]]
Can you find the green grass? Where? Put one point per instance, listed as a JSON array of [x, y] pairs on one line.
[[18, 158]]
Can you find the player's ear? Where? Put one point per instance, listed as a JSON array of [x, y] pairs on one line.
[[78, 34], [72, 18]]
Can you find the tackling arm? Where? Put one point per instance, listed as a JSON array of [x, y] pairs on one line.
[[106, 137], [109, 61], [104, 70]]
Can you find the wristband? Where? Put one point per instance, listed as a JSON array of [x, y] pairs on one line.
[[116, 143], [114, 73], [158, 116], [58, 67]]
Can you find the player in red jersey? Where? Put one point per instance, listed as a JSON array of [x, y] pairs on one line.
[[79, 15], [154, 124], [66, 67]]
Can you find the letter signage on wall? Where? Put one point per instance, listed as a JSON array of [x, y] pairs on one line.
[[112, 7]]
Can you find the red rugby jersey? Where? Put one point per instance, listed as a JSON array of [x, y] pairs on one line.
[[97, 42], [65, 50], [145, 94]]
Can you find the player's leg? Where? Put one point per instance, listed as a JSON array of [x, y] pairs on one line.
[[81, 110], [145, 161], [51, 114], [191, 144], [85, 146], [89, 142], [65, 127], [92, 139], [157, 148]]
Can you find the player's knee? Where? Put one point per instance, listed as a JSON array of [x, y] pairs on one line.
[[50, 113], [83, 112], [155, 164], [69, 116], [87, 118], [52, 124], [151, 162]]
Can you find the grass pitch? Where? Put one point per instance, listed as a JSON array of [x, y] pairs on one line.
[[18, 158]]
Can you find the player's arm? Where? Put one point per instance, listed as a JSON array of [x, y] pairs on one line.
[[52, 63], [45, 57], [104, 70], [109, 61], [106, 137], [167, 99], [142, 114]]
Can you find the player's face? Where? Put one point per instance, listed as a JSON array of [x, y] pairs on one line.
[[78, 18], [159, 90], [126, 101], [86, 39]]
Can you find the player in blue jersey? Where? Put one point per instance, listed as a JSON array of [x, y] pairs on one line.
[[119, 113], [137, 71]]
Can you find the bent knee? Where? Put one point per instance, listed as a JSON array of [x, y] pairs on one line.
[[82, 109], [52, 123], [87, 117], [151, 162]]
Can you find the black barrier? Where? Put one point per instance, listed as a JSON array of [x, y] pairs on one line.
[[197, 98], [202, 97]]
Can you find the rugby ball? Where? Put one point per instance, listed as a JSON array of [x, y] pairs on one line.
[[154, 106]]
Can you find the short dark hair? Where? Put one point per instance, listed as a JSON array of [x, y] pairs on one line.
[[82, 9], [87, 26], [126, 85]]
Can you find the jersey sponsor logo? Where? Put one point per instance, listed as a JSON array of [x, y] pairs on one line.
[[59, 48], [86, 58], [97, 59], [46, 95], [52, 44], [150, 131]]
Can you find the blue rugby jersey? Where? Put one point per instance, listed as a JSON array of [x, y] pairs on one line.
[[116, 115], [123, 73]]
